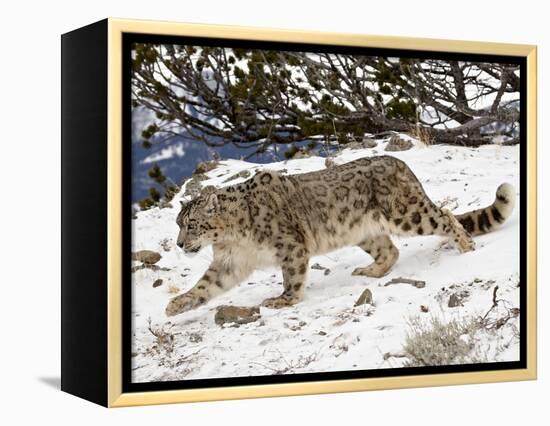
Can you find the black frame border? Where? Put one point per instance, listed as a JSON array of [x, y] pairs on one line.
[[128, 386], [84, 188]]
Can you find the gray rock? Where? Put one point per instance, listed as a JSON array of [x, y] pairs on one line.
[[365, 298], [369, 142], [302, 153], [398, 144], [366, 142], [148, 257], [205, 166], [454, 301], [147, 266], [353, 145], [242, 174], [193, 186], [236, 315]]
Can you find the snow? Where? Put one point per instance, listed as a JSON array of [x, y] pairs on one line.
[[325, 332], [171, 151]]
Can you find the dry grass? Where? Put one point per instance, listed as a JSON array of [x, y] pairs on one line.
[[284, 366], [435, 342], [422, 134], [164, 340]]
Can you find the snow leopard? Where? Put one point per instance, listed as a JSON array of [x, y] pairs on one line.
[[280, 220]]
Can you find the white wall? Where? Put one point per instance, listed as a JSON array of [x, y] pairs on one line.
[[29, 242]]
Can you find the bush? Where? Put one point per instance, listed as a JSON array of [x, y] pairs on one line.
[[156, 174], [146, 203], [155, 198], [154, 194], [440, 343]]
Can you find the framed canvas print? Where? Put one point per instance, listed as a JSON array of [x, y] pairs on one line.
[[250, 212]]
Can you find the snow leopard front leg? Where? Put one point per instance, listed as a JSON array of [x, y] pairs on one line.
[[294, 261], [220, 277]]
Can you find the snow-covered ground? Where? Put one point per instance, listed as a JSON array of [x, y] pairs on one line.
[[326, 332]]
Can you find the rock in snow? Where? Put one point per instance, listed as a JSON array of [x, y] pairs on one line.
[[365, 298], [454, 301], [236, 315], [398, 144], [148, 257]]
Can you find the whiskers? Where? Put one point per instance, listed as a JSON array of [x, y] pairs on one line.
[[203, 256]]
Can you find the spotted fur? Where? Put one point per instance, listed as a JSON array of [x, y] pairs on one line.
[[484, 220], [272, 219]]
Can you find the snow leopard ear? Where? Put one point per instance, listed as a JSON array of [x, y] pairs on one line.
[[212, 204], [208, 190]]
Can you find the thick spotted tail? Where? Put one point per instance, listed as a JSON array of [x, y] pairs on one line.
[[485, 220]]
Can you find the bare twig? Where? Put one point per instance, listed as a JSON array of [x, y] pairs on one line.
[[289, 366], [401, 280], [207, 94], [490, 322], [495, 301], [389, 355]]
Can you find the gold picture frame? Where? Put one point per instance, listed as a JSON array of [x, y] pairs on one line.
[[114, 30]]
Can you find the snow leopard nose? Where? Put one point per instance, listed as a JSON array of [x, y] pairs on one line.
[[180, 245]]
